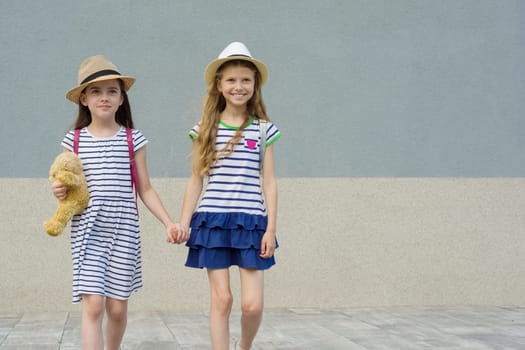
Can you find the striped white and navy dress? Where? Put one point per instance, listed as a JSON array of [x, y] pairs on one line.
[[105, 238], [228, 225]]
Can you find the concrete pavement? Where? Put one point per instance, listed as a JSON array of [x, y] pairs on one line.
[[403, 328]]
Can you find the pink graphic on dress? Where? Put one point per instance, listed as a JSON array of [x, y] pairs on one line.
[[251, 144]]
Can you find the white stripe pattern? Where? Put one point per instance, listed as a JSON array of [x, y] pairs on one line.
[[234, 181], [105, 238]]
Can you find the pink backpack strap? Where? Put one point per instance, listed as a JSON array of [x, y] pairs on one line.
[[134, 174], [76, 140]]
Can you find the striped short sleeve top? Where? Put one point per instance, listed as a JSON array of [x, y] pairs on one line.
[[234, 181]]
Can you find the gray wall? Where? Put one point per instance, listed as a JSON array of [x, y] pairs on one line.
[[344, 242], [401, 167], [359, 88]]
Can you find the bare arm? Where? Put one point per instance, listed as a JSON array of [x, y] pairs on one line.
[[152, 201], [268, 243], [191, 196]]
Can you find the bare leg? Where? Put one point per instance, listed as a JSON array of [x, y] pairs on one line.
[[117, 311], [252, 305], [91, 327], [221, 301]]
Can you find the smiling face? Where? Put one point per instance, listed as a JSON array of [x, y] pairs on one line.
[[102, 98], [237, 85]]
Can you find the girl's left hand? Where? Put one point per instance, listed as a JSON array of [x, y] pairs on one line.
[[268, 245], [176, 234]]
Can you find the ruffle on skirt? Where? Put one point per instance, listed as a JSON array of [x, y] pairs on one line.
[[229, 220], [220, 240]]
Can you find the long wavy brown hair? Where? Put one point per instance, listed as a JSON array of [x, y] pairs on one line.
[[122, 116], [214, 104]]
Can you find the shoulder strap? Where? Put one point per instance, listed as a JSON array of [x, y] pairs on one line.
[[76, 140], [262, 145], [134, 175]]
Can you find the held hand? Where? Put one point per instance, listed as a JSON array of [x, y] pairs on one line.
[[268, 245], [176, 234], [172, 230], [184, 233], [59, 189]]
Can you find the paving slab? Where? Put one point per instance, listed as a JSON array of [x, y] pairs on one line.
[[403, 328]]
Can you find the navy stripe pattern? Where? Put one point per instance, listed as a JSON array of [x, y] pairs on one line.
[[234, 183], [228, 226], [105, 238]]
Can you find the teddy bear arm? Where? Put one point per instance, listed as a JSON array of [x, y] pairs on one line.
[[55, 225]]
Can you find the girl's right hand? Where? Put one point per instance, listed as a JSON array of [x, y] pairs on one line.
[[59, 189], [176, 234]]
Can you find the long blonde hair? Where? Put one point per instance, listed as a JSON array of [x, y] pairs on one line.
[[214, 104]]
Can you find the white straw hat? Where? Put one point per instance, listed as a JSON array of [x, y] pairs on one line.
[[234, 51]]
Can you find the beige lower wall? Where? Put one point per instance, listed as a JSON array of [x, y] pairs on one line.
[[344, 242]]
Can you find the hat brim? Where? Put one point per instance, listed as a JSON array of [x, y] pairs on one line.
[[211, 69], [74, 94]]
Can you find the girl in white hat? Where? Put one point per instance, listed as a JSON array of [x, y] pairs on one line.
[[105, 238], [235, 221]]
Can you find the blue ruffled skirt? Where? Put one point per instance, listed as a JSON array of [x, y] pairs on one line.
[[220, 240]]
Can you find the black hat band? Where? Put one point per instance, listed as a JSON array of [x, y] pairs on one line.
[[99, 74]]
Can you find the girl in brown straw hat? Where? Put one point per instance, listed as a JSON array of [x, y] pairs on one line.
[[105, 237], [235, 221]]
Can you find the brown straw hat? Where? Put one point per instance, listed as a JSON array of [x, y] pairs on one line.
[[234, 51], [96, 68]]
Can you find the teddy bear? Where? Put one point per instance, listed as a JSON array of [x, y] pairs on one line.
[[67, 168]]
